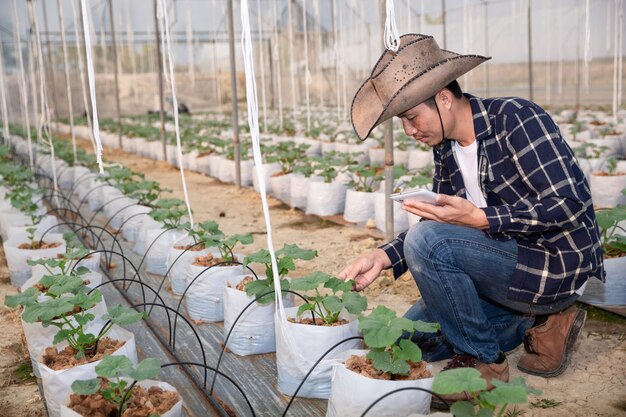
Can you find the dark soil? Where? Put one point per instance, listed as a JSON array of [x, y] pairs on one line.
[[208, 260], [361, 365], [606, 174], [39, 245], [142, 403], [66, 358], [318, 321], [242, 284]]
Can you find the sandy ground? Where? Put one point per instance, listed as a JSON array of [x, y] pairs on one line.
[[593, 385]]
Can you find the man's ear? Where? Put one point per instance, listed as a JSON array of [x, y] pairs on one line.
[[445, 98]]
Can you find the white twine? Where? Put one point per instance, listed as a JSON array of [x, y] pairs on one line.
[[131, 49], [392, 38], [620, 46], [336, 33], [307, 73], [587, 48], [45, 110], [276, 57], [191, 65], [24, 88], [292, 67], [3, 97], [33, 84], [81, 73], [170, 60], [68, 85], [92, 86], [261, 63], [615, 58], [253, 121]]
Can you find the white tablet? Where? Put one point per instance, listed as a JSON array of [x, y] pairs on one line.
[[422, 195]]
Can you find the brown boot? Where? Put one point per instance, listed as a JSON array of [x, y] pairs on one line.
[[549, 345], [489, 371]]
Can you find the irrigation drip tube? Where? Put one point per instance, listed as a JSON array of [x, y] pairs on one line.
[[382, 397]]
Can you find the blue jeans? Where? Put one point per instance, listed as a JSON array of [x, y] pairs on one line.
[[464, 277]]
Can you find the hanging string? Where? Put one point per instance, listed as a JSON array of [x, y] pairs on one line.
[[615, 58], [3, 97], [24, 89], [191, 65], [392, 38], [318, 29], [587, 48], [262, 63], [170, 61], [92, 86], [218, 91], [33, 83], [307, 73], [620, 46], [276, 58], [251, 99], [292, 66], [68, 86], [45, 110], [81, 72]]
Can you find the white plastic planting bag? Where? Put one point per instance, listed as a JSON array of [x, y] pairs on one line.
[[400, 218], [419, 158], [57, 384], [359, 206], [299, 346], [110, 195], [157, 250], [205, 298], [326, 199], [19, 269], [254, 332], [39, 337], [346, 400], [132, 220], [299, 190], [141, 241], [13, 226], [606, 190], [268, 169], [281, 187], [178, 270], [175, 411], [114, 211]]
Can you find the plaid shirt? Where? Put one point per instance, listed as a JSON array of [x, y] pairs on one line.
[[536, 194]]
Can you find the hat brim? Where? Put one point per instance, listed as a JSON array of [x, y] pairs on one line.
[[368, 110]]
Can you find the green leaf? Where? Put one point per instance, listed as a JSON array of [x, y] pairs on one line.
[[29, 296], [61, 336], [260, 257], [83, 319], [513, 394], [467, 409], [304, 308], [81, 270], [332, 303], [382, 328], [63, 284], [339, 285], [48, 310], [454, 381], [407, 350], [309, 282], [114, 366], [86, 339], [353, 302], [86, 387], [87, 301], [147, 369], [384, 362], [425, 327], [294, 252], [123, 316]]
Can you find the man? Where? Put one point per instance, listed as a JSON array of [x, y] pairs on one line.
[[513, 238]]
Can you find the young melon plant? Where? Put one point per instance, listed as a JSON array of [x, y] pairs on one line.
[[285, 258], [381, 333], [328, 307], [170, 212], [210, 235]]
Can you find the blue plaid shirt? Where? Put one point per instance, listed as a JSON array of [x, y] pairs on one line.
[[536, 194]]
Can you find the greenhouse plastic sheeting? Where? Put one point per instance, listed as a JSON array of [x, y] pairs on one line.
[[611, 295]]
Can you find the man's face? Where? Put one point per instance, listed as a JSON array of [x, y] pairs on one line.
[[422, 123]]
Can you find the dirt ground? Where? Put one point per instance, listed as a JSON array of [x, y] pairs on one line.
[[593, 385]]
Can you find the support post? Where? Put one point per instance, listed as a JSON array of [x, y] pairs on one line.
[[66, 71], [443, 23], [233, 85], [388, 136], [160, 77], [116, 72], [530, 54], [50, 69]]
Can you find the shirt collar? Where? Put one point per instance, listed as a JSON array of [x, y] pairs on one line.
[[482, 118]]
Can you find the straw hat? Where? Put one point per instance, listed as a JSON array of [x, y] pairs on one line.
[[404, 79]]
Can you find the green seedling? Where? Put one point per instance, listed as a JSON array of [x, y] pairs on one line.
[[210, 235], [483, 403], [170, 212], [111, 383], [285, 258], [381, 331], [613, 243], [365, 178], [328, 307]]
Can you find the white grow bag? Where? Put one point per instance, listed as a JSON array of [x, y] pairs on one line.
[[132, 220], [147, 224], [39, 337], [175, 411], [19, 269], [359, 206], [114, 211], [400, 218], [57, 384], [299, 346], [204, 299], [348, 401], [269, 169], [161, 242], [299, 190], [178, 272], [281, 187], [254, 332], [326, 199], [15, 226]]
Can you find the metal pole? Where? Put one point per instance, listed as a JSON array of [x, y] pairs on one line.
[[117, 83], [160, 71], [233, 85], [50, 69], [530, 54], [443, 22], [388, 125]]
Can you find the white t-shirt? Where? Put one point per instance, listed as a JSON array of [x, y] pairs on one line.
[[467, 158]]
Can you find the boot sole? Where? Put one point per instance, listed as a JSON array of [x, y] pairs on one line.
[[577, 326]]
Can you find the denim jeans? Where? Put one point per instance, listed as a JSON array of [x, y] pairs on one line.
[[463, 277]]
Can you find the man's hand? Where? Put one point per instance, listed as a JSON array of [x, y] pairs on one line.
[[366, 268], [449, 209]]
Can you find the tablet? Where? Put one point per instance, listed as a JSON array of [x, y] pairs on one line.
[[422, 195]]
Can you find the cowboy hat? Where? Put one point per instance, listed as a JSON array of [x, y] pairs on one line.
[[404, 79]]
